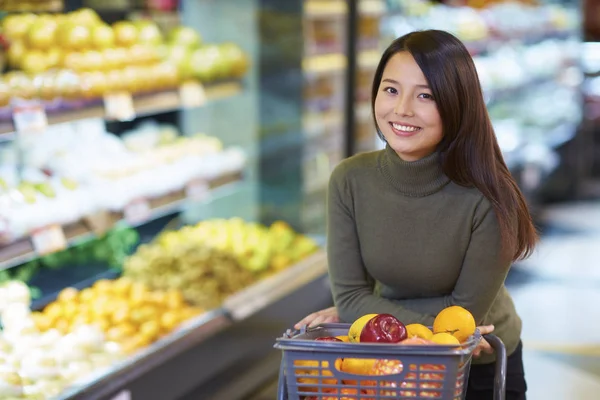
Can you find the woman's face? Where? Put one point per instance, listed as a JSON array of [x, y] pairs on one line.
[[405, 109]]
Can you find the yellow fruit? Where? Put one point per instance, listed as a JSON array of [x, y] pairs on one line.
[[310, 381], [456, 321], [103, 286], [357, 366], [344, 339], [87, 295], [169, 321], [444, 338], [42, 322], [357, 327], [122, 286], [418, 330], [174, 299], [68, 294]]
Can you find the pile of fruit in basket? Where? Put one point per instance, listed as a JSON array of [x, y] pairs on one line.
[[453, 326]]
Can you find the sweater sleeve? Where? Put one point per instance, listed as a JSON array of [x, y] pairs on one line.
[[351, 285], [483, 272]]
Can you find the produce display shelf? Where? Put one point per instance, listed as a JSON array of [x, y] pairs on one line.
[[104, 382], [22, 250], [508, 93], [143, 105], [325, 9], [482, 47], [371, 8], [267, 291], [237, 310], [335, 63]]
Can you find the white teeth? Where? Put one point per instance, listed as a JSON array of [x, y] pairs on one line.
[[404, 128]]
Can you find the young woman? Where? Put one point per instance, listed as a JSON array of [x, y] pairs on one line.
[[435, 219]]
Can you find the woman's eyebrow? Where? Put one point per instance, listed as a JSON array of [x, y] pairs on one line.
[[422, 86]]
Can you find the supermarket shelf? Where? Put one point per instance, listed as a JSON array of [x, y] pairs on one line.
[[233, 325], [325, 9], [21, 251], [326, 63], [335, 63], [187, 336], [371, 8], [258, 296], [51, 6], [508, 93], [369, 59], [481, 47], [339, 8], [143, 105]]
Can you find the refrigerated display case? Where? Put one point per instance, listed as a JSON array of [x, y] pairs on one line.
[[527, 57], [156, 182], [325, 26]]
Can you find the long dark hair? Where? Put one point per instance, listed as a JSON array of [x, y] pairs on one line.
[[470, 154]]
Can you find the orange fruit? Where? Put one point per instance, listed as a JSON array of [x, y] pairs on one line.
[[358, 366], [455, 320], [304, 381], [444, 338], [418, 330]]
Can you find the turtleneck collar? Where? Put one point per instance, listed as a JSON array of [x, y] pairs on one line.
[[413, 178]]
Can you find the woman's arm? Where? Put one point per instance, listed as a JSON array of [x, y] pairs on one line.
[[351, 285], [483, 272]]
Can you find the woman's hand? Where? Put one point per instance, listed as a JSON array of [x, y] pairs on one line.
[[483, 344], [328, 315]]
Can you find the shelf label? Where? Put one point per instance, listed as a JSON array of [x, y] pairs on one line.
[[49, 239], [137, 212], [192, 94], [5, 236], [197, 190], [119, 106], [122, 395], [29, 117], [98, 222]]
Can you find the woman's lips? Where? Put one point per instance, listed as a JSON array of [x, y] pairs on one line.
[[404, 130]]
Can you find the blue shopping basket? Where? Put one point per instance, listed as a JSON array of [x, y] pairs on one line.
[[311, 369]]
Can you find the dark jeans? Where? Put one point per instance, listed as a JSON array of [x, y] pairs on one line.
[[481, 379]]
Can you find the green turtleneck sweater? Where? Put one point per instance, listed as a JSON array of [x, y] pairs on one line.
[[405, 240]]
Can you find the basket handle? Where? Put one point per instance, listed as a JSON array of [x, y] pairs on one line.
[[501, 361]]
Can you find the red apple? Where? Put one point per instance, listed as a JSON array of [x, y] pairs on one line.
[[383, 328], [328, 339]]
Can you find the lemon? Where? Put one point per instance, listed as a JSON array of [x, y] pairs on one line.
[[418, 330], [444, 338]]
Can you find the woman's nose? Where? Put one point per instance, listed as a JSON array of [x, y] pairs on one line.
[[403, 106]]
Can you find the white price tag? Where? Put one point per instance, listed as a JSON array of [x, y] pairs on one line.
[[137, 211], [5, 236], [119, 106], [30, 117], [122, 395], [49, 239], [197, 190], [192, 94], [98, 222]]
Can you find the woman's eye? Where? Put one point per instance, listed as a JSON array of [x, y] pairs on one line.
[[426, 96], [390, 90]]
